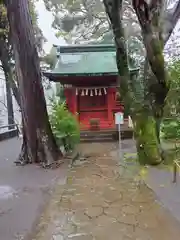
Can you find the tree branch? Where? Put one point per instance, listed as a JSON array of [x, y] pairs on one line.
[[152, 35], [171, 21], [114, 11]]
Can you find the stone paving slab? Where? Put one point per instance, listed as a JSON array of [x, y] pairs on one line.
[[97, 203]]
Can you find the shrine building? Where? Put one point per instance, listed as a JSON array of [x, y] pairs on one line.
[[89, 74]]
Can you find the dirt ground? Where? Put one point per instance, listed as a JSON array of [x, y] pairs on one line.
[[99, 201]]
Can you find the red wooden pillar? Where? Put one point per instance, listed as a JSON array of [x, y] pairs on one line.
[[68, 100], [71, 99], [74, 101], [66, 97], [110, 102]]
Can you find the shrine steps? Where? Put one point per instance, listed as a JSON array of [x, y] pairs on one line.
[[104, 135]]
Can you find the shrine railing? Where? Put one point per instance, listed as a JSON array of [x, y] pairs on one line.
[[9, 131]]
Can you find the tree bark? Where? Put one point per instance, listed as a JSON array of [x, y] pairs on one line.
[[132, 92], [170, 20], [9, 99], [6, 65], [155, 35], [39, 143], [9, 82], [147, 142]]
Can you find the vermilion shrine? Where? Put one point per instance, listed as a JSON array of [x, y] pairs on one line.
[[89, 76]]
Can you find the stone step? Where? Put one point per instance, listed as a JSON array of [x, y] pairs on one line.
[[101, 136], [96, 133], [98, 139]]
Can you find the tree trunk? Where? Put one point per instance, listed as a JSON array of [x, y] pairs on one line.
[[9, 99], [133, 93], [39, 144], [147, 142], [6, 65], [171, 21], [8, 80]]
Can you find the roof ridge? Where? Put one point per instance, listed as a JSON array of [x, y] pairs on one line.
[[85, 48]]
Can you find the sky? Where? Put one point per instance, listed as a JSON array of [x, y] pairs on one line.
[[45, 19]]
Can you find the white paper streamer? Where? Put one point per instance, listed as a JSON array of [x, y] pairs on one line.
[[130, 123], [82, 93]]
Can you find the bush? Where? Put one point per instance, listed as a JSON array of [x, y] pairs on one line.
[[64, 125], [171, 129]]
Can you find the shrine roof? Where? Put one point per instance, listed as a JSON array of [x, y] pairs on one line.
[[85, 60]]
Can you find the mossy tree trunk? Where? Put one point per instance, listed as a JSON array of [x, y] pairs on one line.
[[149, 16], [39, 143], [132, 92], [139, 95], [169, 20], [155, 36], [147, 142]]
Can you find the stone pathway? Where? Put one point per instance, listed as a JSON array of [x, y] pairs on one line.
[[98, 203]]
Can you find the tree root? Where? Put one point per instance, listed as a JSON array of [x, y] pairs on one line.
[[52, 165], [23, 158]]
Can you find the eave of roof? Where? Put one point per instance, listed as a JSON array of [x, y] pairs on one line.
[[55, 76]]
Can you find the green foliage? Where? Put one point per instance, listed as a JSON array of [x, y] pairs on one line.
[[64, 125], [39, 38], [4, 28], [50, 58], [60, 92], [173, 98], [80, 21], [171, 126], [171, 129], [4, 25]]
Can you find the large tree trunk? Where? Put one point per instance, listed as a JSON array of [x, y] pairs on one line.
[[155, 36], [147, 141], [169, 20], [132, 92], [146, 109], [39, 144]]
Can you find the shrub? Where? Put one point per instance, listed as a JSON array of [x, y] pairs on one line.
[[171, 129], [64, 125]]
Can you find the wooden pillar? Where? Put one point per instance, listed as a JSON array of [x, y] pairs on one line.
[[71, 99], [74, 101], [110, 105], [68, 100]]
